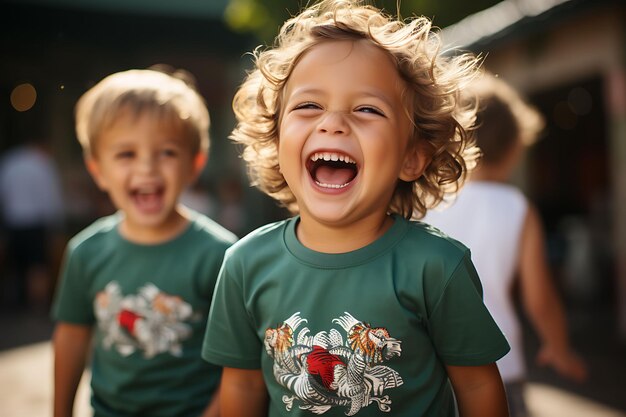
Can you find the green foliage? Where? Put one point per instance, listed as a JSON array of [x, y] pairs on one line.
[[264, 17]]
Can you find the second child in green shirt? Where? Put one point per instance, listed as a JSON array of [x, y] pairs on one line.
[[136, 286]]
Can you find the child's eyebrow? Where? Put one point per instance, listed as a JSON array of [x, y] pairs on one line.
[[121, 143], [299, 91], [176, 139], [364, 93], [376, 93]]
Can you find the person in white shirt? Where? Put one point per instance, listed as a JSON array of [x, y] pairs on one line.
[[31, 211], [504, 233]]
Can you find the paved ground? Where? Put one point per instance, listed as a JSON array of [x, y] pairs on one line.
[[26, 383], [26, 372], [26, 390]]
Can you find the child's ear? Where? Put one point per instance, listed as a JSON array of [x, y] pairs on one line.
[[415, 162], [199, 161], [94, 170]]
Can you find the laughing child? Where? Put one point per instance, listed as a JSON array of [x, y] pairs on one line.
[[139, 282], [348, 308]]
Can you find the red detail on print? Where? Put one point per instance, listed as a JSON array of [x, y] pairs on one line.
[[321, 362], [127, 320]]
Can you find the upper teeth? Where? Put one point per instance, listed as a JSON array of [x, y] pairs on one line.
[[331, 156], [146, 190]]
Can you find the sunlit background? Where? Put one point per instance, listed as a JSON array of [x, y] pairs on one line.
[[567, 56]]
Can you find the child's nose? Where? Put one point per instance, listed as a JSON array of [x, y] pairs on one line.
[[334, 122], [147, 163]]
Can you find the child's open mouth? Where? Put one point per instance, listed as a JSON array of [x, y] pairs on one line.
[[331, 170], [148, 198]]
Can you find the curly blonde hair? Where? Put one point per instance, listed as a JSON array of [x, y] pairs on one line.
[[441, 120], [170, 96]]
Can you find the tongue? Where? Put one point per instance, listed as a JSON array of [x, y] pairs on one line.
[[336, 176], [148, 202]]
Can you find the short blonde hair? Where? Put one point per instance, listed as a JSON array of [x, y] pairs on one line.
[[505, 118], [433, 83], [171, 97]]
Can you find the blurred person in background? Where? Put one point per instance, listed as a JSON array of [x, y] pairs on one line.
[[140, 281], [504, 233], [32, 216]]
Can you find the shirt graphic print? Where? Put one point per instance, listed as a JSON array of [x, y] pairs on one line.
[[339, 368], [150, 321]]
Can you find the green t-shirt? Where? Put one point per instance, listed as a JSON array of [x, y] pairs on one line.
[[359, 333], [148, 305]]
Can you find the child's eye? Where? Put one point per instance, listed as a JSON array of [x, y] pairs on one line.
[[169, 152], [124, 155], [309, 105], [370, 109]]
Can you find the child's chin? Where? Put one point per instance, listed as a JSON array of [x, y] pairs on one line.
[[329, 215]]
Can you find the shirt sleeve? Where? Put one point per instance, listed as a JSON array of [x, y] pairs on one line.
[[72, 301], [462, 329], [231, 339]]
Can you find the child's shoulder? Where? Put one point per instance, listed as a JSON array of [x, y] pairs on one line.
[[97, 234], [432, 242], [266, 237], [494, 190], [436, 254], [210, 229]]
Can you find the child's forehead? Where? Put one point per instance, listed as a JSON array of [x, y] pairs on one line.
[[161, 117], [127, 123], [334, 51], [360, 64]]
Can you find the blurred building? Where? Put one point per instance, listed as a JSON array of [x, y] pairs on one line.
[[569, 58]]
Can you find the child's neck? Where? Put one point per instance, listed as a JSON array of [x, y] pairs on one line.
[[154, 235], [341, 239], [491, 173], [500, 170]]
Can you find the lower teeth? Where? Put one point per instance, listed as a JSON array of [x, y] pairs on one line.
[[331, 185]]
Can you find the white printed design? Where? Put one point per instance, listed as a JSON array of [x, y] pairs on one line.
[[150, 321], [324, 371]]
